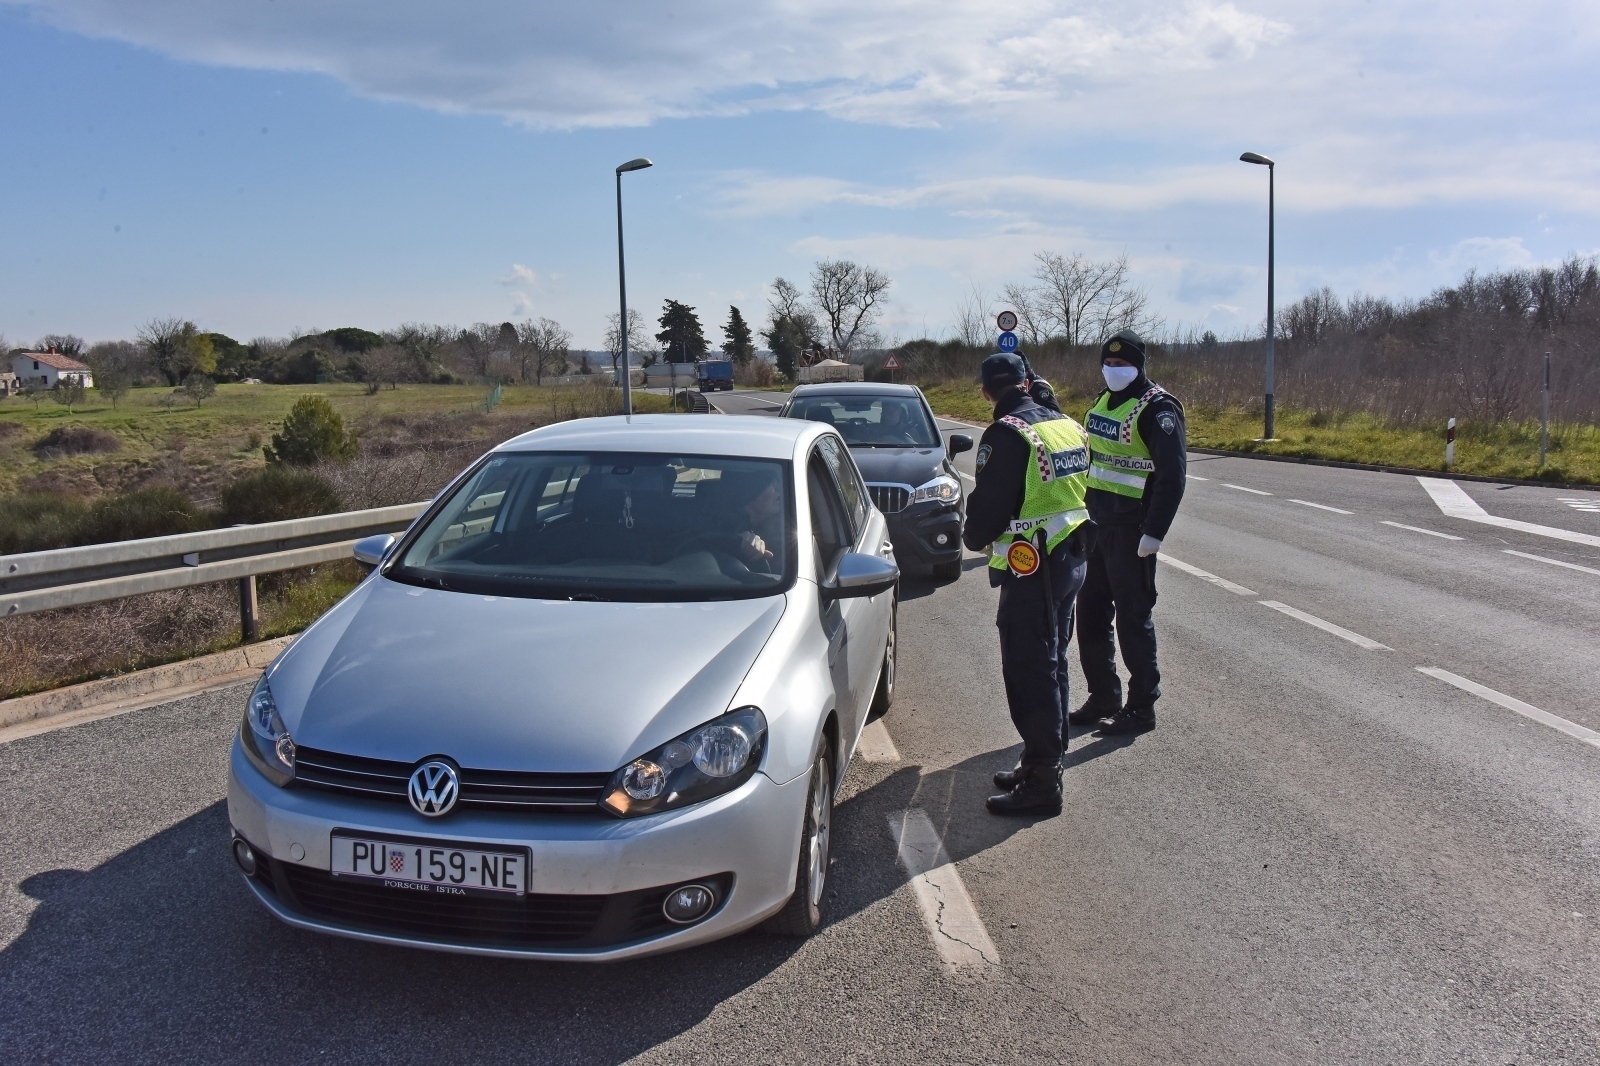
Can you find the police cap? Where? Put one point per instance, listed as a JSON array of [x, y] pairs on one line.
[[1002, 370], [1126, 345]]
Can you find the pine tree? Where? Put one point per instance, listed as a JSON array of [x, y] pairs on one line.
[[682, 340], [737, 343]]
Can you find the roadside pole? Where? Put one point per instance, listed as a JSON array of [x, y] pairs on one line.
[[1544, 416], [1450, 444]]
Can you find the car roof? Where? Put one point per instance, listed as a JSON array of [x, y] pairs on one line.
[[754, 436], [871, 388]]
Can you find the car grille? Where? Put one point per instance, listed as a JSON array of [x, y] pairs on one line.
[[384, 779], [531, 921], [890, 498]]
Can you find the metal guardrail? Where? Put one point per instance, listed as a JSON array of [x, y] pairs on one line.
[[69, 577]]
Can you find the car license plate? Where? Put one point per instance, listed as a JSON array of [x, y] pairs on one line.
[[421, 866]]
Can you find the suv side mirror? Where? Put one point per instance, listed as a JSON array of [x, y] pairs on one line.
[[959, 442], [859, 575], [369, 551]]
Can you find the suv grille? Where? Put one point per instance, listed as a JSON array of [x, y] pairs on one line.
[[384, 779], [890, 498], [548, 920]]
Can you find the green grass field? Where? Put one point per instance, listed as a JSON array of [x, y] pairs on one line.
[[1508, 450]]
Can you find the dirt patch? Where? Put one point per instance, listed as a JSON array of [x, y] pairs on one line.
[[9, 428], [75, 440]]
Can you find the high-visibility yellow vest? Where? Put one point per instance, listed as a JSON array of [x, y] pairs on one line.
[[1052, 499], [1120, 460]]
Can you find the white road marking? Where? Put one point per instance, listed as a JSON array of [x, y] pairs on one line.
[[1326, 626], [1322, 507], [1205, 575], [1419, 529], [760, 399], [876, 745], [1553, 562], [1196, 477], [1241, 488], [1511, 703], [958, 933], [968, 476], [1454, 502]]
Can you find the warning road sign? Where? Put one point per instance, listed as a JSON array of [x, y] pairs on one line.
[[1006, 320], [891, 363]]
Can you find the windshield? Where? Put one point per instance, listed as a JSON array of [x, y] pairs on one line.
[[610, 526], [871, 421]]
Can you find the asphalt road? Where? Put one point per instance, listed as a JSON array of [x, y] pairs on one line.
[[1322, 854]]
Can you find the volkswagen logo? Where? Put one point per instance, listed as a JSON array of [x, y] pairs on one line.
[[434, 787]]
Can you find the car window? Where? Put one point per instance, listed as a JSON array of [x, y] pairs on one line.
[[828, 523], [867, 421], [610, 525], [848, 478]]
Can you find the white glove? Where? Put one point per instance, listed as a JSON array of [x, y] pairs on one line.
[[1148, 546]]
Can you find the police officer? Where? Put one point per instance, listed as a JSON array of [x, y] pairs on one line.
[[1136, 479], [1026, 510]]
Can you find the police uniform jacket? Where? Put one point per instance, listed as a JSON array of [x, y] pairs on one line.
[[1162, 427], [1003, 458]]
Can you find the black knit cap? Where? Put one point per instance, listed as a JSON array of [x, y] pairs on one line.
[[1002, 370], [1124, 344]]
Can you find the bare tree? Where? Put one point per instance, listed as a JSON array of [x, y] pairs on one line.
[[544, 345], [1031, 324], [387, 364], [972, 319], [638, 338], [850, 298], [67, 344], [1084, 301]]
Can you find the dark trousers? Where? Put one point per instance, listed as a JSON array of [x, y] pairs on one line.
[[1119, 588], [1033, 652]]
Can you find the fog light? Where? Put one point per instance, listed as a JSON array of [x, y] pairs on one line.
[[244, 856], [942, 539], [688, 904]]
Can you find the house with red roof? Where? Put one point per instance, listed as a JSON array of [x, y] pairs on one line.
[[46, 369]]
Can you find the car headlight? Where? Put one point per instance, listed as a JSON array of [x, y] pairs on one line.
[[707, 761], [942, 489], [266, 741]]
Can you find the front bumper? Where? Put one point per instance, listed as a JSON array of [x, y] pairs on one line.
[[748, 838], [915, 532]]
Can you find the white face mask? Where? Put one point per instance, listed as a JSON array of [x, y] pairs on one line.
[[1119, 377]]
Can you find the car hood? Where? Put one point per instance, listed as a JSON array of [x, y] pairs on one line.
[[501, 683], [905, 466]]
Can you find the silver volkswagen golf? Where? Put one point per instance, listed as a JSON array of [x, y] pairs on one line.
[[595, 703]]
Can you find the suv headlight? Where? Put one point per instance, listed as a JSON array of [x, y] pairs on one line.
[[942, 489], [266, 741], [707, 761]]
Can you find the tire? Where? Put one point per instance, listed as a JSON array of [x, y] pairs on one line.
[[883, 697], [947, 571], [804, 913]]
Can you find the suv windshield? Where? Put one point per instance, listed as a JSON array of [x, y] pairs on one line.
[[610, 526], [870, 421]]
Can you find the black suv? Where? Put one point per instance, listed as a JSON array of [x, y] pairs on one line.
[[896, 443]]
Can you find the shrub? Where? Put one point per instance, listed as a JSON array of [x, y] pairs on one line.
[[276, 493], [75, 440], [313, 431], [36, 521], [156, 512]]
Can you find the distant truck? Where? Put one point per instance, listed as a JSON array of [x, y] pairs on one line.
[[715, 374]]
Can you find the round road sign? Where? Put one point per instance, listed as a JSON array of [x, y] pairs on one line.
[[1006, 320], [1008, 341]]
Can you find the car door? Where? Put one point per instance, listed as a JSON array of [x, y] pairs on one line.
[[831, 537], [867, 618]]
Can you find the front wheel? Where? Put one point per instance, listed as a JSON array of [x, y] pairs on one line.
[[803, 914], [883, 698]]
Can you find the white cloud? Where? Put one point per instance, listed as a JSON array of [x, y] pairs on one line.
[[1484, 253], [520, 275]]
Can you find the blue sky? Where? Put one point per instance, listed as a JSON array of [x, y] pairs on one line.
[[263, 167]]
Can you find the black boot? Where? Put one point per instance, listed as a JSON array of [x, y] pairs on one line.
[[1129, 722], [1038, 793], [1009, 779], [1091, 712]]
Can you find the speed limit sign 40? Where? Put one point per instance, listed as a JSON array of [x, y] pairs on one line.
[[1006, 320]]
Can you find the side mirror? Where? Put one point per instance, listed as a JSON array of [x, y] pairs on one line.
[[369, 551], [959, 442], [860, 575]]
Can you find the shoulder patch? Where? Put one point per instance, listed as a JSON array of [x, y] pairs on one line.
[[1167, 421], [983, 457]]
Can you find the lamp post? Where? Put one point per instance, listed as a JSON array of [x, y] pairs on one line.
[[622, 287], [1252, 157]]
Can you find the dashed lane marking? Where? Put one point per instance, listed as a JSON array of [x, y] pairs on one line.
[[1326, 626], [876, 745], [968, 476], [1204, 575], [1241, 488], [1553, 562], [1196, 477], [1419, 529], [958, 933], [1322, 507], [1511, 703]]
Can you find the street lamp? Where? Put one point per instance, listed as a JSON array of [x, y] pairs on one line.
[[622, 286], [1252, 157]]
